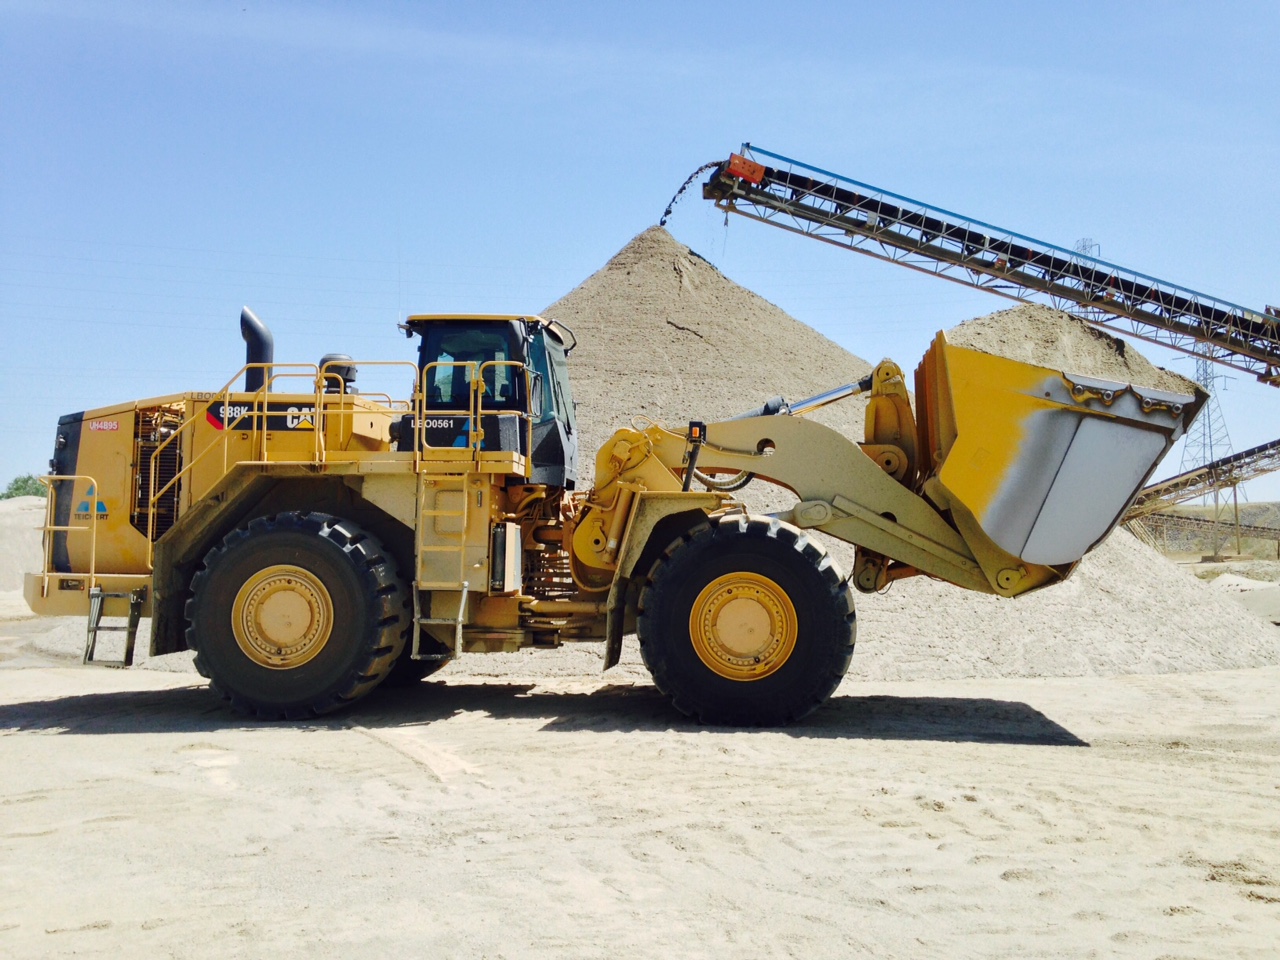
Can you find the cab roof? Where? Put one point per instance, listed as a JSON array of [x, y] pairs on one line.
[[481, 317], [414, 323]]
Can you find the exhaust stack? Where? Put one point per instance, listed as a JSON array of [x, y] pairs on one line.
[[259, 348]]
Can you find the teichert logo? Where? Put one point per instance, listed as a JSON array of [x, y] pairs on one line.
[[83, 510]]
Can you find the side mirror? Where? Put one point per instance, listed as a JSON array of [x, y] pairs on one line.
[[535, 393]]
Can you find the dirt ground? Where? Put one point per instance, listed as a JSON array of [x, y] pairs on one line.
[[578, 817], [990, 781]]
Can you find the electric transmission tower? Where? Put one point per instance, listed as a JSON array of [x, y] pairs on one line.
[[1088, 247], [1207, 440]]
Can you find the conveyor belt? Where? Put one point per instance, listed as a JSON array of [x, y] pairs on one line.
[[1160, 522], [1227, 472], [824, 205]]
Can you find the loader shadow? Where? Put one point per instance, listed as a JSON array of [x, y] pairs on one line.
[[609, 709]]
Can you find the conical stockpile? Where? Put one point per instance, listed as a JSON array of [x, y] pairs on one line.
[[20, 553], [663, 333]]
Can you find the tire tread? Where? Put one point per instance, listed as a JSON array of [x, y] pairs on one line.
[[381, 584], [837, 600]]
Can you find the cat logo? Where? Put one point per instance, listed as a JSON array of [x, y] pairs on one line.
[[83, 509], [300, 418]]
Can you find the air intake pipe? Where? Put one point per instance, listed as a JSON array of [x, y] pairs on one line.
[[259, 348]]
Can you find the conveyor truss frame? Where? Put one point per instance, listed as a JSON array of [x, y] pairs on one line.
[[879, 223]]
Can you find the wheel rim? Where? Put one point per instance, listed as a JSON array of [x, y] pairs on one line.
[[743, 626], [282, 617]]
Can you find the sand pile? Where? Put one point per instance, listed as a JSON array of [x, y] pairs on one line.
[[20, 520], [1051, 338], [662, 332], [1126, 609]]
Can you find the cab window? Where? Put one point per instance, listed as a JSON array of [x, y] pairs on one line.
[[541, 365], [560, 382], [448, 387]]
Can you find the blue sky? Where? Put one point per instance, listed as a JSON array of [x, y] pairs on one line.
[[335, 166]]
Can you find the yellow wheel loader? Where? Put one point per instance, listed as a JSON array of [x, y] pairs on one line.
[[310, 542]]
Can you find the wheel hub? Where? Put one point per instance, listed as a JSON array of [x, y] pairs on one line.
[[282, 617], [743, 626]]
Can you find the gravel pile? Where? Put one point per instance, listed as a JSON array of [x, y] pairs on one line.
[[20, 552], [20, 518], [662, 333]]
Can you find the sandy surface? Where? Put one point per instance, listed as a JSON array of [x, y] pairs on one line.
[[548, 817], [1056, 776], [1259, 596]]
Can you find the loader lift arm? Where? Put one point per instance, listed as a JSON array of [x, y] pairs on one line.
[[1011, 475]]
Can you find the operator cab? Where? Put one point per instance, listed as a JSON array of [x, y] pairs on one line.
[[522, 362]]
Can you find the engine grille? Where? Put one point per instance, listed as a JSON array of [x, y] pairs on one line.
[[153, 426]]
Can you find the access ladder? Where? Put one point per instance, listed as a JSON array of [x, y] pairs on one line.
[[428, 533]]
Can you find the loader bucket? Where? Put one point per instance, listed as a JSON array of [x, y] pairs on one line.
[[1045, 462]]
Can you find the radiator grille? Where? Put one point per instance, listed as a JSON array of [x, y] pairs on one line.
[[153, 426]]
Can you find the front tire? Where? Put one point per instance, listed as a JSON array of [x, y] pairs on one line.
[[746, 622], [296, 616]]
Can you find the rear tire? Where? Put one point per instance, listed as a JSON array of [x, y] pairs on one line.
[[296, 616], [746, 622], [406, 671]]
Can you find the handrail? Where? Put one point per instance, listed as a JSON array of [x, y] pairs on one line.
[[476, 408], [224, 395], [324, 405], [526, 414], [475, 386], [258, 409], [327, 405], [49, 527]]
